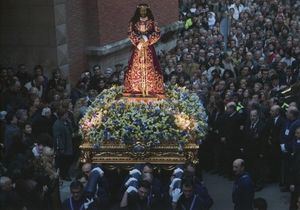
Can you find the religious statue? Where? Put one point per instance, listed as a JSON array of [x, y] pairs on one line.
[[143, 76]]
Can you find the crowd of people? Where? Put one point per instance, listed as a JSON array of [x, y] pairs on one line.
[[252, 114], [245, 85]]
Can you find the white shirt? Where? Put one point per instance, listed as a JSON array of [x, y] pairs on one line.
[[288, 61], [275, 119], [211, 69], [237, 10], [29, 85]]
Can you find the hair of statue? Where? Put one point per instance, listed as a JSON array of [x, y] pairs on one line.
[[136, 16], [143, 6]]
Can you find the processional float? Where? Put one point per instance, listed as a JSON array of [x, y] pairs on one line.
[[144, 121]]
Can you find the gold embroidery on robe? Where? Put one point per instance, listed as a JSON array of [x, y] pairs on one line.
[[144, 75]]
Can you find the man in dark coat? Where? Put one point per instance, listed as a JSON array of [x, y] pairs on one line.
[[294, 179], [62, 136], [230, 134], [256, 148], [275, 126], [286, 139], [44, 122], [243, 187], [200, 188], [12, 132], [9, 198]]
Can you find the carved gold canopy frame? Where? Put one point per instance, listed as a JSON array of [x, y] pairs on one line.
[[120, 156]]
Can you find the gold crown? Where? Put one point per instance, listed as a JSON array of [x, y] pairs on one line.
[[143, 6]]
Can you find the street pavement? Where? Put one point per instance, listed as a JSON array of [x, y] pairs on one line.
[[220, 189]]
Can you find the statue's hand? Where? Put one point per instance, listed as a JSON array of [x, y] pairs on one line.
[[145, 44], [139, 46], [142, 44]]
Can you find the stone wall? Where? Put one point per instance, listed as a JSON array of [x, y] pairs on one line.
[[27, 33], [60, 33], [76, 13], [114, 17], [114, 46], [119, 52]]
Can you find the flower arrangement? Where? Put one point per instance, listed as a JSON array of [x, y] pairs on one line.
[[177, 119]]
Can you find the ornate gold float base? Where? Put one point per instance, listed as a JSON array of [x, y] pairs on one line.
[[120, 156]]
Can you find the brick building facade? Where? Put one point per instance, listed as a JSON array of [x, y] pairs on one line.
[[60, 33]]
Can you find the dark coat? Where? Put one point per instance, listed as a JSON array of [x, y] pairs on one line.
[[288, 133], [202, 192], [231, 129], [275, 129], [294, 178], [193, 203], [62, 136], [215, 120], [256, 138], [43, 125], [11, 132], [243, 192], [156, 193], [97, 186], [70, 202], [135, 203]]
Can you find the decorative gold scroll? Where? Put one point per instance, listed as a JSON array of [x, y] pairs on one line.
[[114, 156]]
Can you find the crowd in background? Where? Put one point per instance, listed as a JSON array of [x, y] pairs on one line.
[[244, 86]]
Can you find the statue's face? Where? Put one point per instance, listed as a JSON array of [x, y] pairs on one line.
[[143, 12]]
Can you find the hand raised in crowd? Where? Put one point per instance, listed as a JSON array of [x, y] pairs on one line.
[[99, 170], [176, 195], [130, 180], [134, 171], [87, 203], [131, 189]]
